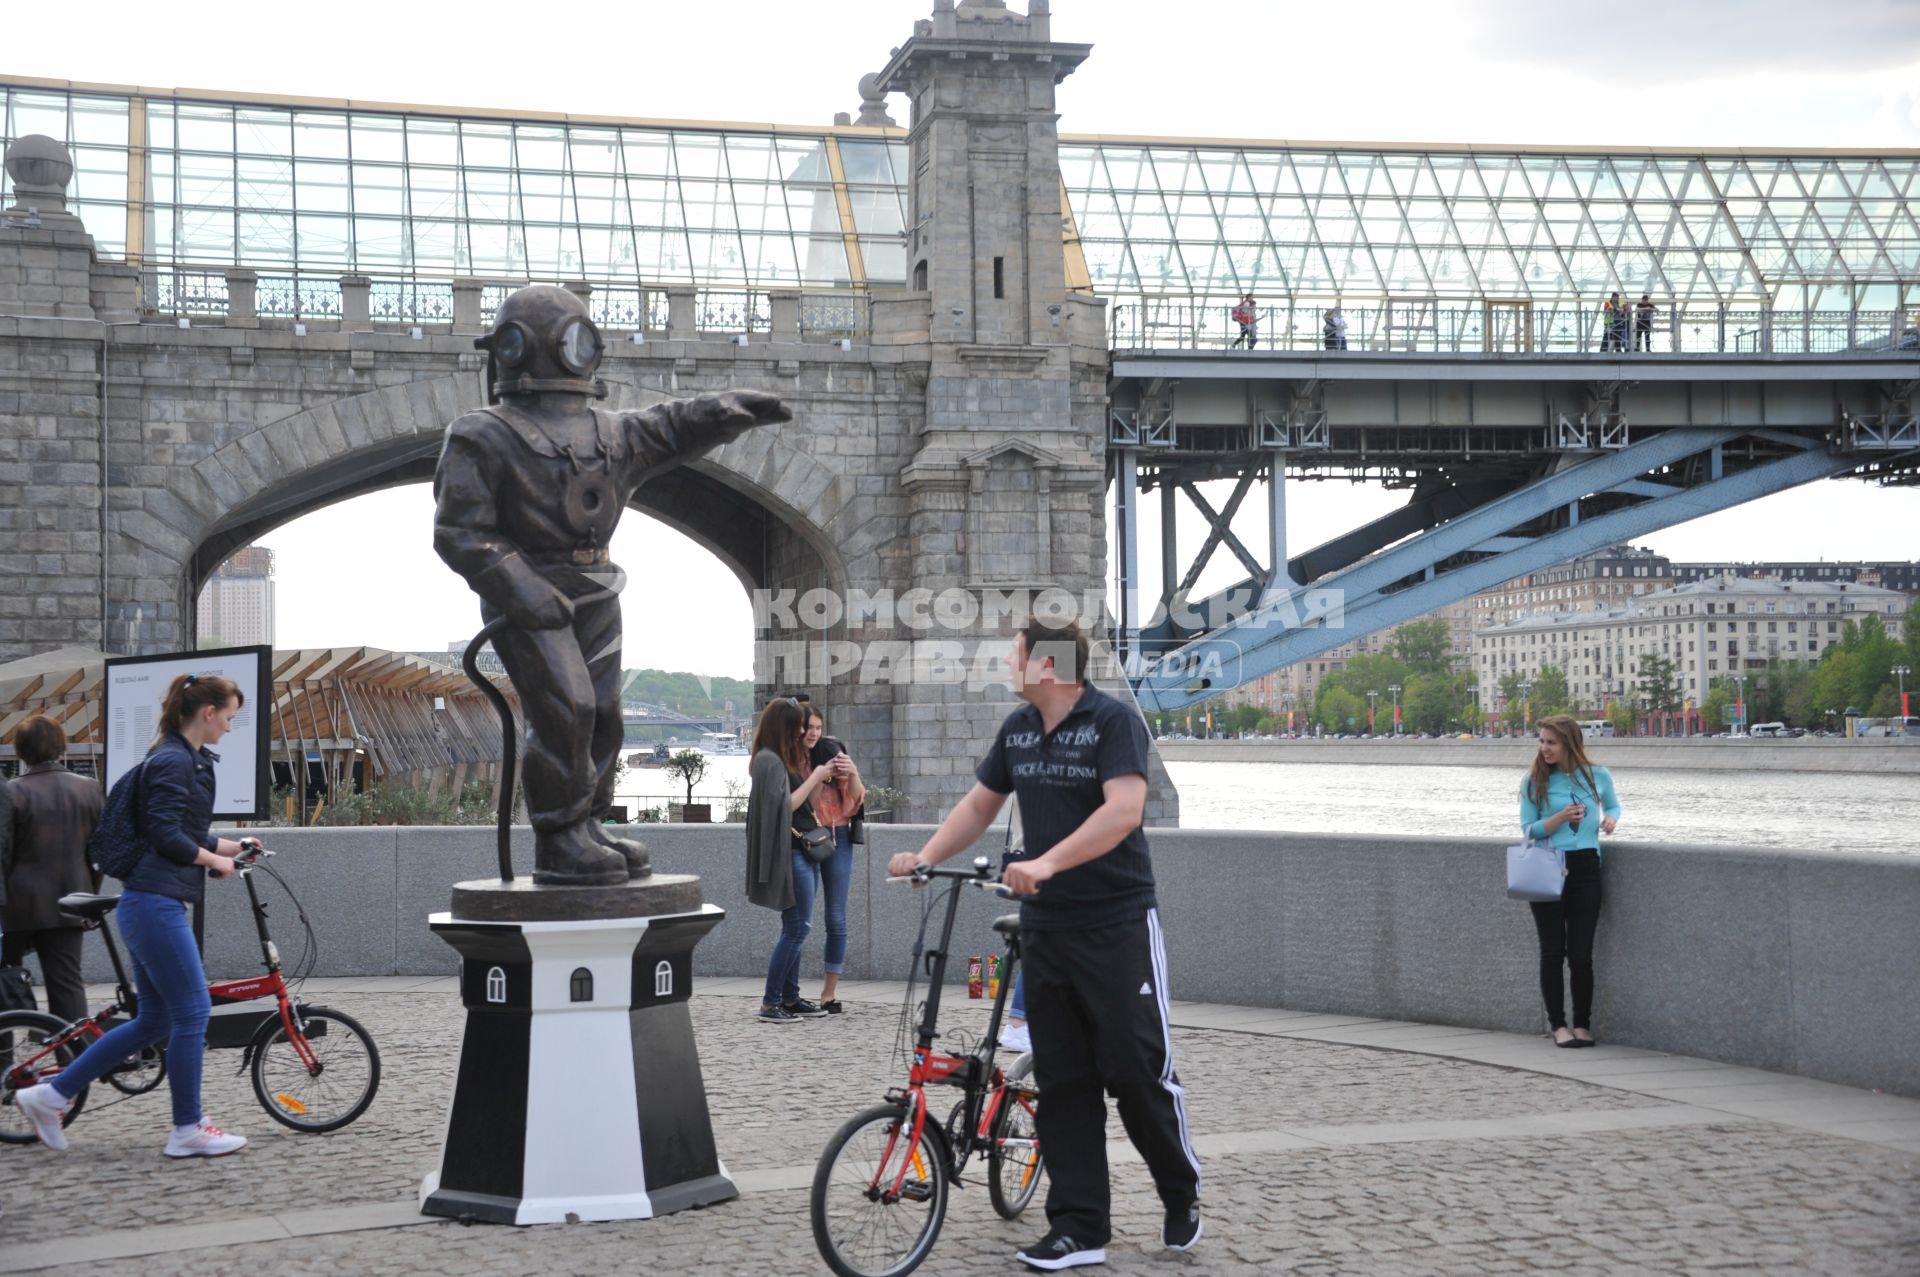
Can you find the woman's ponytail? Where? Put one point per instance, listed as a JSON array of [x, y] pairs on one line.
[[188, 694]]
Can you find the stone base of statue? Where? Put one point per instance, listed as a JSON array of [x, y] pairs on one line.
[[579, 1095]]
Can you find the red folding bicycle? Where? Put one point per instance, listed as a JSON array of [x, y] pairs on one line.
[[880, 1190], [314, 1069]]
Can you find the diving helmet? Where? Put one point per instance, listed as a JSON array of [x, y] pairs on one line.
[[542, 340]]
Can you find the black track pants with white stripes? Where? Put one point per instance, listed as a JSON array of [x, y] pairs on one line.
[[1097, 1010]]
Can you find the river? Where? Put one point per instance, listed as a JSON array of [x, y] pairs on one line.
[[1808, 810]]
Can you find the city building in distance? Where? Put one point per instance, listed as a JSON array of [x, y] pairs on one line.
[[236, 604]]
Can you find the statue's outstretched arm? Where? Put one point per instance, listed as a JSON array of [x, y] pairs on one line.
[[670, 433]]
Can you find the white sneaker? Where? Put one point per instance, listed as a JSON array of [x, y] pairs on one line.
[[45, 1107], [205, 1140], [1016, 1038]]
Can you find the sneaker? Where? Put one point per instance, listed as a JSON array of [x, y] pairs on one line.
[[46, 1108], [804, 1009], [1182, 1229], [1016, 1038], [1057, 1250], [777, 1015], [833, 1007], [205, 1140]]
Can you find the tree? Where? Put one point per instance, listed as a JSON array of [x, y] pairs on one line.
[[1549, 695], [1910, 637], [1886, 703], [1472, 718], [1659, 687], [689, 765], [1798, 709], [1338, 710], [1620, 713], [1424, 647], [1510, 694], [1717, 709], [1433, 703]]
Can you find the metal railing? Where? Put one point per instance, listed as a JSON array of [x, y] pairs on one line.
[[629, 309], [731, 311], [828, 315], [1429, 326], [183, 292], [297, 297], [410, 302]]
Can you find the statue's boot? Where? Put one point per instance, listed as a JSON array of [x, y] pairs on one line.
[[573, 857], [639, 863]]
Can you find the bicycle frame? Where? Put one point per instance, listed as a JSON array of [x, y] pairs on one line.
[[985, 1087]]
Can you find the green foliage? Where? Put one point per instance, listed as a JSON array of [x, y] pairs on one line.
[[689, 765], [1510, 693], [1659, 687], [1338, 710], [1886, 703], [1717, 710], [1424, 647], [1549, 694], [1620, 714], [394, 804], [1434, 703], [690, 694], [885, 798]]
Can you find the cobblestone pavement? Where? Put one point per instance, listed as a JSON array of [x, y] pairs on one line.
[[1740, 1195]]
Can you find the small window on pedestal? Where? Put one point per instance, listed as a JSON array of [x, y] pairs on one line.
[[582, 985]]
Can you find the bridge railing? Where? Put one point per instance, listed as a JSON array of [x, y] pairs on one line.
[[1465, 327], [471, 305]]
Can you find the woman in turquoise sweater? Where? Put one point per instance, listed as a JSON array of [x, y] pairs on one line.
[[1555, 802]]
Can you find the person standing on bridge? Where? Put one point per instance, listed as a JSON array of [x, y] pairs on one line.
[[1613, 324], [835, 801], [1643, 313], [780, 874], [1090, 938], [1555, 800], [1247, 315]]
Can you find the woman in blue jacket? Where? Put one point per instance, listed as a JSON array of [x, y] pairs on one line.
[[174, 810], [1555, 799]]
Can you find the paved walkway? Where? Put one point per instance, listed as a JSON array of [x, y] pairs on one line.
[[1331, 1144]]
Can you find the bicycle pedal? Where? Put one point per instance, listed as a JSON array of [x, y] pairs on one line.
[[917, 1190]]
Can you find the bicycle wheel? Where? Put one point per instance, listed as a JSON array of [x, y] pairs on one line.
[[1014, 1166], [336, 1090], [25, 1061], [140, 1073], [862, 1227]]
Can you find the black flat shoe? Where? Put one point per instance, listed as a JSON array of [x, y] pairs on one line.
[[1570, 1042], [1583, 1042]]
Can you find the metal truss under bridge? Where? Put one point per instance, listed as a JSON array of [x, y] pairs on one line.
[[1511, 464]]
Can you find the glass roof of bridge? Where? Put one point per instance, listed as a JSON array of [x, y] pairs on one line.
[[281, 186]]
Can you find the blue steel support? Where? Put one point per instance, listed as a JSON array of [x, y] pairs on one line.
[[1264, 642]]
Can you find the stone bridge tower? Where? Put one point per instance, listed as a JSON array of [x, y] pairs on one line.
[[1003, 489]]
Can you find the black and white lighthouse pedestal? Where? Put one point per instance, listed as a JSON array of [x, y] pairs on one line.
[[579, 1095]]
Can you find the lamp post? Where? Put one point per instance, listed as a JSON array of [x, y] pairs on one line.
[[1370, 699], [1740, 703], [1526, 707], [1900, 672], [1395, 689]]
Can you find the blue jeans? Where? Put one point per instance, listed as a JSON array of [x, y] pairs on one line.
[[1017, 1000], [836, 876], [783, 970], [172, 987]]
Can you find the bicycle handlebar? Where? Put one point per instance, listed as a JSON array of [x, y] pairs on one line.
[[976, 877]]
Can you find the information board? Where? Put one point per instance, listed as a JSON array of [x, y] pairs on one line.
[[136, 686]]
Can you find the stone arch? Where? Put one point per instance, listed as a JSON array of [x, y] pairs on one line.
[[763, 505]]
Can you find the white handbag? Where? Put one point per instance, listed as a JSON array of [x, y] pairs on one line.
[[1536, 871]]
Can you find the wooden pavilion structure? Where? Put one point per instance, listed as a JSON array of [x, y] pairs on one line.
[[343, 718]]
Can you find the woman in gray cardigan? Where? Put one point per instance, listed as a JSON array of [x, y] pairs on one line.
[[779, 874]]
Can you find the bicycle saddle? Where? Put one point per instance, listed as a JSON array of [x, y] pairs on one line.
[[83, 905], [1007, 924]]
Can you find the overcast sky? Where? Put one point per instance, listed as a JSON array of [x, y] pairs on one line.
[[1683, 73]]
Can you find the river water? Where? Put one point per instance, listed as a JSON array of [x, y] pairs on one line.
[[1806, 810]]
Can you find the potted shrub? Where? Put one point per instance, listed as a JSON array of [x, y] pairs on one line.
[[690, 766]]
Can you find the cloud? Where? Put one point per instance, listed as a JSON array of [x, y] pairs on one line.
[[1650, 43]]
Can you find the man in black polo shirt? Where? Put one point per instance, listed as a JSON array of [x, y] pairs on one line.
[[1096, 965]]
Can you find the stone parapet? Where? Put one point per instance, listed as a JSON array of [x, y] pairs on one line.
[[1748, 956]]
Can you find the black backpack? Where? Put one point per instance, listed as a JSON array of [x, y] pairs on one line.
[[117, 844]]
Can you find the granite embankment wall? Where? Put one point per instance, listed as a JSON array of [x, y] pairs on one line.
[[1800, 962], [1878, 755]]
